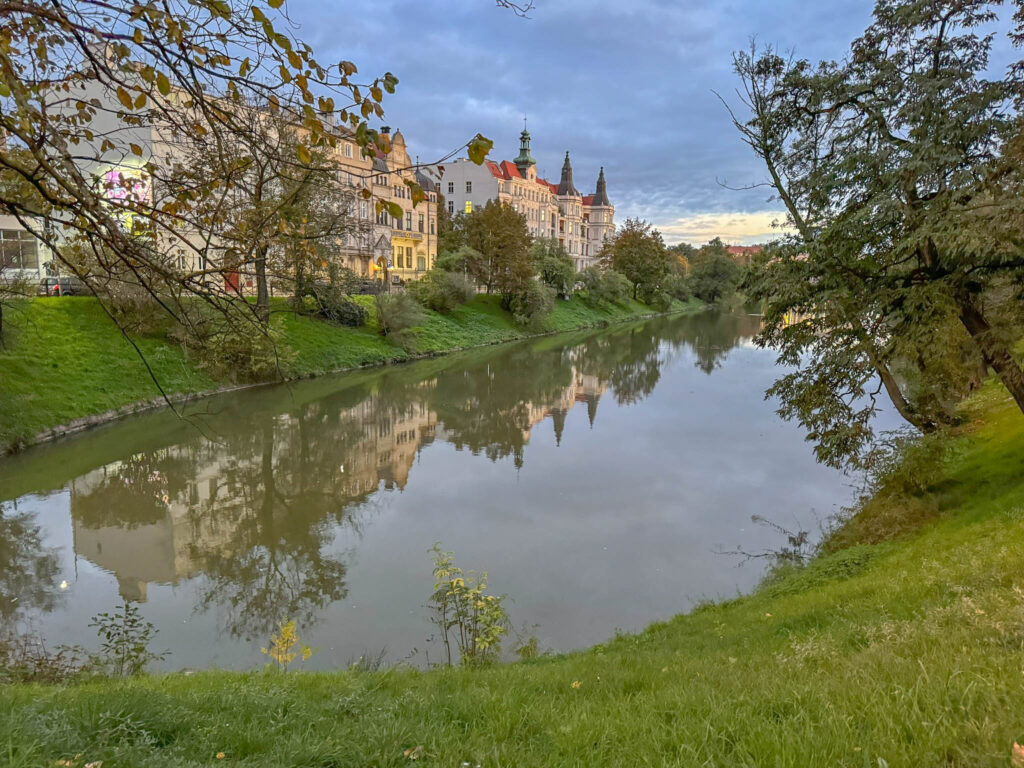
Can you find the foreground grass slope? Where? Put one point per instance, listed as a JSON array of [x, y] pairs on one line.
[[908, 651], [63, 358]]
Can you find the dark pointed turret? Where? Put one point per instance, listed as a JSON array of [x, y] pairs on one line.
[[565, 186], [558, 417], [525, 160], [592, 407], [601, 196]]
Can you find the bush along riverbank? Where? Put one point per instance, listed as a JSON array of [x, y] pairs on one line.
[[900, 644], [64, 362]]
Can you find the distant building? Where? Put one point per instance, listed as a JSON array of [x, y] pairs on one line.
[[744, 254], [22, 255], [581, 223]]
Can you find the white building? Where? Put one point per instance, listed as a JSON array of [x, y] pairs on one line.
[[22, 256], [581, 223]]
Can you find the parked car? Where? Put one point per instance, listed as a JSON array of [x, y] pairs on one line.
[[62, 286]]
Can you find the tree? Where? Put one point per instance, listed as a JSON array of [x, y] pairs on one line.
[[81, 84], [893, 171], [500, 237], [285, 217], [553, 266], [638, 252], [450, 228], [714, 278]]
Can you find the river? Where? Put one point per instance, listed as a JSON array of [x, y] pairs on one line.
[[596, 476]]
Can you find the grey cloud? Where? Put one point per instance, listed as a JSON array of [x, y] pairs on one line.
[[627, 84]]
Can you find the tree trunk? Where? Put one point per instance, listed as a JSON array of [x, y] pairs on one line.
[[262, 293], [995, 353], [892, 387]]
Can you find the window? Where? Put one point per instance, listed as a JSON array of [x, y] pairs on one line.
[[408, 256], [469, 205], [469, 187], [362, 209], [408, 221], [18, 249], [382, 216], [451, 187], [451, 206], [398, 257], [421, 222], [421, 263], [432, 225], [348, 150]]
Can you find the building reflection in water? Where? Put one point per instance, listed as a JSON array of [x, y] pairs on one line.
[[257, 511]]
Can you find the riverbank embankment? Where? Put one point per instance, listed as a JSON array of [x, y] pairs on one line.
[[902, 646], [65, 366]]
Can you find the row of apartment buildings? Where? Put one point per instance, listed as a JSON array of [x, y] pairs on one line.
[[379, 244]]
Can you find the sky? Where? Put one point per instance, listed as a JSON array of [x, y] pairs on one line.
[[624, 84]]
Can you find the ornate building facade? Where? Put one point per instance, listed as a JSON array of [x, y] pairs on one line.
[[581, 223]]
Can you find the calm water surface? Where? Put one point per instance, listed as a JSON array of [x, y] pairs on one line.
[[593, 475]]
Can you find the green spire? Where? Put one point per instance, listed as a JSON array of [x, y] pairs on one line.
[[525, 160]]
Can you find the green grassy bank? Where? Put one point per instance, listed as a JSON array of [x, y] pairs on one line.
[[903, 650], [63, 359]]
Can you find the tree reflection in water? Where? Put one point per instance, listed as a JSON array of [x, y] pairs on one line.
[[28, 569], [261, 514]]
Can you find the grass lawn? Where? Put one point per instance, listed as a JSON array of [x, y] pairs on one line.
[[63, 358], [907, 651]]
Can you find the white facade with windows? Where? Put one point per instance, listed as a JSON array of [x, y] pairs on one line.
[[23, 257], [581, 223]]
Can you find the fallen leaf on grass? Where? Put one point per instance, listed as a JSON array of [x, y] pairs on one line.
[[1018, 755], [414, 754]]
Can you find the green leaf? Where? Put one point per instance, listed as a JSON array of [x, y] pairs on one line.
[[478, 149], [418, 195], [394, 209], [304, 155], [275, 3], [162, 83], [4, 90]]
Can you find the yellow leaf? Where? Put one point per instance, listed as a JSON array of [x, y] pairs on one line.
[[140, 101], [303, 152], [478, 148], [275, 3], [162, 83], [1018, 755], [136, 150], [124, 97]]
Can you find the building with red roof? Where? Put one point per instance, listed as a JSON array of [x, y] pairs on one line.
[[581, 223]]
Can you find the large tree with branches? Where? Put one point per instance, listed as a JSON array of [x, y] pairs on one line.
[[101, 101], [896, 170]]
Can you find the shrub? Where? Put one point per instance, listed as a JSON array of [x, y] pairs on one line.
[[553, 266], [468, 618], [532, 304], [231, 348], [605, 286], [125, 639], [442, 291], [660, 301], [397, 313], [330, 302], [677, 287], [27, 659]]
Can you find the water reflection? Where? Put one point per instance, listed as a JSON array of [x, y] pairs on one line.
[[28, 568], [255, 515]]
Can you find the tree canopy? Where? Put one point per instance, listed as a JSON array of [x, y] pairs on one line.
[[898, 170]]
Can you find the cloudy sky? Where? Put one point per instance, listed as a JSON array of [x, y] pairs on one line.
[[627, 84]]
